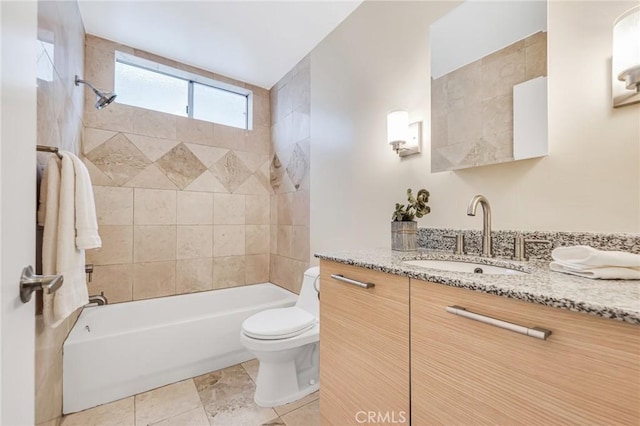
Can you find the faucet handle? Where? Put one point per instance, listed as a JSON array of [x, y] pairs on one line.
[[520, 247], [459, 246]]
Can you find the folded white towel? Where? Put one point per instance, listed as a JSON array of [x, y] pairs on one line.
[[590, 257], [86, 221], [604, 273]]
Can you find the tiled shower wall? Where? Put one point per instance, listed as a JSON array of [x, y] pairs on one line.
[[60, 105], [290, 134], [183, 204]]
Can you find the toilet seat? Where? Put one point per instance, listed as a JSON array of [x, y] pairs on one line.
[[281, 323]]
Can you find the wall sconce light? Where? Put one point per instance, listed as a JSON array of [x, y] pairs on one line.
[[405, 139], [626, 58]]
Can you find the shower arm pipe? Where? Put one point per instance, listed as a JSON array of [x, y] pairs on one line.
[[79, 81]]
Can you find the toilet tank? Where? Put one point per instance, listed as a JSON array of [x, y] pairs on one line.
[[308, 298]]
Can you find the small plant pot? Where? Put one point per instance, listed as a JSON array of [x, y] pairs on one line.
[[404, 236]]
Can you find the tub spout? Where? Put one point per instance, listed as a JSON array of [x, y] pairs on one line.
[[98, 299]]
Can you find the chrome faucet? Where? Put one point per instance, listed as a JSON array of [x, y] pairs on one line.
[[486, 221], [98, 299]]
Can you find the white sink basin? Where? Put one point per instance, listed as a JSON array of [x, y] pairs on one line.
[[454, 266]]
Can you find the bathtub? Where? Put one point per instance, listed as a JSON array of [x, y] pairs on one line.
[[119, 350]]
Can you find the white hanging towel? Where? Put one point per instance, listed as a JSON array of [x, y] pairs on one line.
[[70, 227]]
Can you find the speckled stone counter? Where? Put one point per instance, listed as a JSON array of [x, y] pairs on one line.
[[616, 299]]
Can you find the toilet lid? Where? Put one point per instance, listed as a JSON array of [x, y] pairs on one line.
[[278, 323]]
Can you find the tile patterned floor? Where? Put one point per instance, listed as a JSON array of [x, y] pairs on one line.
[[220, 398]]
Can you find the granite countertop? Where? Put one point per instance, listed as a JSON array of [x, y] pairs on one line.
[[616, 299]]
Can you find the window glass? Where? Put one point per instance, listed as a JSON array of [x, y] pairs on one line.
[[219, 106], [152, 90]]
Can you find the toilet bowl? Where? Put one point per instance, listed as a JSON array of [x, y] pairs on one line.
[[286, 343]]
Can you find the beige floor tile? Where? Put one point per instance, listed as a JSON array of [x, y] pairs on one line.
[[115, 413], [195, 417], [165, 402], [251, 367], [308, 415], [287, 408], [274, 422], [227, 396]]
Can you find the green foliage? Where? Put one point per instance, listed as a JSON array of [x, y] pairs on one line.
[[416, 207]]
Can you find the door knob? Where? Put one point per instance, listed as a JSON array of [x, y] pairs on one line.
[[30, 282]]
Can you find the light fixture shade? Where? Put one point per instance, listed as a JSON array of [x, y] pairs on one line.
[[397, 127], [626, 48]]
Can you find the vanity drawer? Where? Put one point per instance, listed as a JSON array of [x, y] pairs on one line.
[[364, 346], [468, 372]]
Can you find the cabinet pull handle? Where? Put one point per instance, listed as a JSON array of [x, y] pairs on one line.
[[537, 332], [352, 282]]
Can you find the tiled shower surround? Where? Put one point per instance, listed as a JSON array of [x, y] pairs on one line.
[[183, 205], [502, 241], [290, 119]]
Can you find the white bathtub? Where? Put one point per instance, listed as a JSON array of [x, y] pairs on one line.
[[119, 350]]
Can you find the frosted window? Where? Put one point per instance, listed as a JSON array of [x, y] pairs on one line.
[[152, 90], [219, 106]]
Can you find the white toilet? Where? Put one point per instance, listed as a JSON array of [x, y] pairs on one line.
[[286, 343]]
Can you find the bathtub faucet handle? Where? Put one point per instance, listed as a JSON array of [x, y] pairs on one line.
[[88, 269]]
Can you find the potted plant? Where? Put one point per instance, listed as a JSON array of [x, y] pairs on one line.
[[404, 230]]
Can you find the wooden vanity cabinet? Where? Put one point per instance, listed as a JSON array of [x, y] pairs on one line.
[[466, 372], [364, 347]]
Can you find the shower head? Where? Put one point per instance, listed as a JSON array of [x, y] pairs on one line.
[[104, 98]]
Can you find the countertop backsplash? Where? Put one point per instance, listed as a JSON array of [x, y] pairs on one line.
[[434, 238]]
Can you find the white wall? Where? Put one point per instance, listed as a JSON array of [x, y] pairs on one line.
[[378, 60]]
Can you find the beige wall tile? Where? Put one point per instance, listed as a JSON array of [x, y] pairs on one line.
[[261, 111], [285, 242], [208, 155], [206, 182], [194, 275], [300, 243], [274, 209], [117, 246], [153, 123], [95, 137], [116, 281], [257, 239], [152, 148], [227, 137], [256, 210], [285, 204], [181, 166], [257, 269], [120, 412], [195, 208], [300, 208], [228, 271], [114, 206], [154, 243], [195, 241], [195, 131], [98, 177], [119, 159], [151, 178], [154, 279], [228, 240], [228, 209], [273, 239], [154, 207]]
